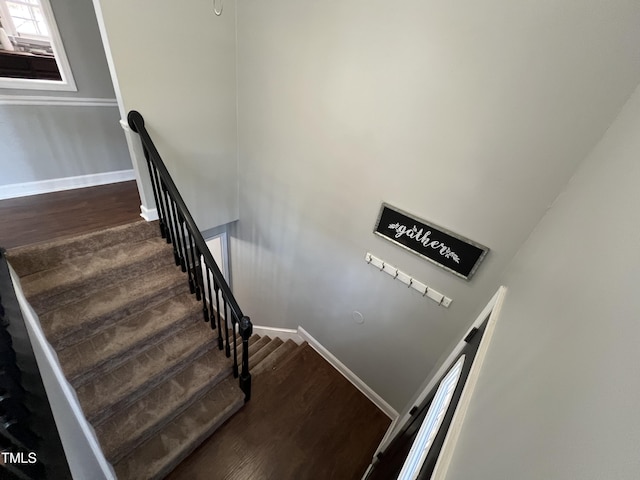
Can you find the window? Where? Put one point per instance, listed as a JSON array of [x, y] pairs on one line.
[[432, 423], [25, 19], [31, 52]]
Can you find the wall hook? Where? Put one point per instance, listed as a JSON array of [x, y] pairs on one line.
[[382, 267], [425, 290], [410, 282], [218, 11]]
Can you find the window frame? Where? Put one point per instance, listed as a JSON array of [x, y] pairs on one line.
[[67, 83]]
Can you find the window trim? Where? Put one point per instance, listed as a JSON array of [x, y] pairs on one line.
[[67, 83]]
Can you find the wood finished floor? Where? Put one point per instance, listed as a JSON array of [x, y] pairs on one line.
[[39, 218], [305, 420]]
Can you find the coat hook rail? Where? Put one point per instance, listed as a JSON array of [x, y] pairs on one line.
[[411, 282]]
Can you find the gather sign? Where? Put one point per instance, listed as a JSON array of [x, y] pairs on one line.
[[446, 249]]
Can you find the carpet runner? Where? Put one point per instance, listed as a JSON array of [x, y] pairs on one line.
[[132, 343]]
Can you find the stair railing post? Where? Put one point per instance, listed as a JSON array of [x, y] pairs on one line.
[[246, 330]]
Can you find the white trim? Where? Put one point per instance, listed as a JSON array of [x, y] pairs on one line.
[[149, 214], [57, 101], [67, 83], [223, 263], [301, 335], [281, 333], [109, 55], [143, 180], [75, 432], [494, 305], [448, 447], [69, 183], [348, 374]]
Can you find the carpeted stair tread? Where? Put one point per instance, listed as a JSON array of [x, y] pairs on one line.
[[257, 357], [42, 256], [124, 385], [252, 341], [256, 344], [114, 345], [76, 321], [255, 348], [82, 276], [270, 360], [128, 428], [160, 454]]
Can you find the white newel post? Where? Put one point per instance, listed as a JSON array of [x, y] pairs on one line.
[[148, 209]]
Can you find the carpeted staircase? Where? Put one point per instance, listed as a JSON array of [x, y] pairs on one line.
[[131, 341]]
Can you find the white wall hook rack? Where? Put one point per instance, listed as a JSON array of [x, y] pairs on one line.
[[408, 280]]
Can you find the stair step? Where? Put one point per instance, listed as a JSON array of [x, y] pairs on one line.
[[285, 361], [163, 452], [261, 354], [74, 322], [127, 429], [43, 256], [81, 276], [114, 345], [124, 385], [267, 363], [255, 348]]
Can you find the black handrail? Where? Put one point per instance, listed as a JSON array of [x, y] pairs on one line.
[[189, 247], [30, 445]]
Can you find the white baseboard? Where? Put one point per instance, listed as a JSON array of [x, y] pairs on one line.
[[149, 214], [281, 333], [69, 183], [348, 374], [301, 335]]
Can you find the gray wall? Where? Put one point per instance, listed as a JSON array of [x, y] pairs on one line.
[[471, 115], [176, 64], [45, 142], [557, 397]]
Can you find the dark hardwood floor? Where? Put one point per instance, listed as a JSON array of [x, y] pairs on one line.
[[305, 421], [39, 218]]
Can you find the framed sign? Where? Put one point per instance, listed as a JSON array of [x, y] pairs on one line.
[[446, 249]]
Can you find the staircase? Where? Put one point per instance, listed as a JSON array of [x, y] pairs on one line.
[[130, 336]]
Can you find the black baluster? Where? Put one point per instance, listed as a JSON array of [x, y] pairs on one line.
[[211, 307], [167, 224], [234, 321], [155, 191], [220, 341], [173, 218], [163, 204], [181, 241], [186, 252], [196, 271], [176, 227], [206, 301], [227, 350], [246, 330], [189, 259]]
